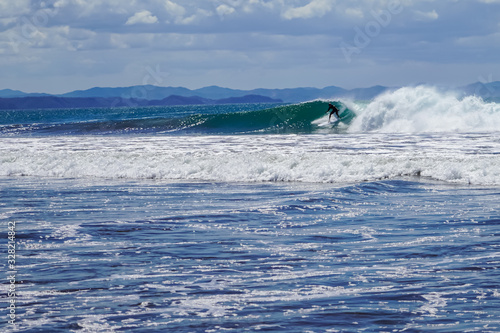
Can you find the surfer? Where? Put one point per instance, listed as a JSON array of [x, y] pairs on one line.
[[334, 110]]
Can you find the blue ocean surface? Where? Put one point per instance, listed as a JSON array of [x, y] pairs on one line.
[[253, 218]]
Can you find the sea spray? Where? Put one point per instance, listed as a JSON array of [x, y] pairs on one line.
[[425, 109]]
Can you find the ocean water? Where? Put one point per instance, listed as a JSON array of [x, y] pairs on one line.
[[253, 218]]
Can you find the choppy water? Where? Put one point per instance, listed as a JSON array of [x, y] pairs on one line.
[[149, 256]]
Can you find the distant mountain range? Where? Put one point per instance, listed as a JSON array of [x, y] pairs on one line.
[[292, 95], [154, 95], [55, 102], [148, 92]]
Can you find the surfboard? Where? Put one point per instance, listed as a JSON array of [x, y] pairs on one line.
[[335, 122], [336, 119]]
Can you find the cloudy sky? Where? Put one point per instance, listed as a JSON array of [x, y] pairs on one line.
[[56, 46]]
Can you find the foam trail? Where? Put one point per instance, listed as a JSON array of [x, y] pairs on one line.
[[454, 158], [423, 110]]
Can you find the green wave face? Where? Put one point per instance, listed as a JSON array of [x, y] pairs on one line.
[[284, 119], [296, 118]]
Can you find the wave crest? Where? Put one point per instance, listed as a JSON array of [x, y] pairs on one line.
[[425, 109]]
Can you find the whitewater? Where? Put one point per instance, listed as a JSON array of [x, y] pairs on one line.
[[454, 158], [253, 217], [426, 110]]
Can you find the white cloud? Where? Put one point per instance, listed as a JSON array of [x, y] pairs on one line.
[[9, 8], [355, 13], [175, 9], [316, 8], [251, 5], [143, 16], [196, 17], [223, 10], [426, 16], [87, 8]]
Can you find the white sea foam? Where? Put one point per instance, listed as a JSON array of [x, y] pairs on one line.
[[426, 109], [457, 158]]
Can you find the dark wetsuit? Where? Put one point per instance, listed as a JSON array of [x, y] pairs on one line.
[[334, 110]]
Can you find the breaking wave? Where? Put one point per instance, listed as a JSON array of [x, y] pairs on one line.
[[425, 110]]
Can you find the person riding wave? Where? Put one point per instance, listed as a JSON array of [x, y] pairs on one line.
[[334, 110]]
